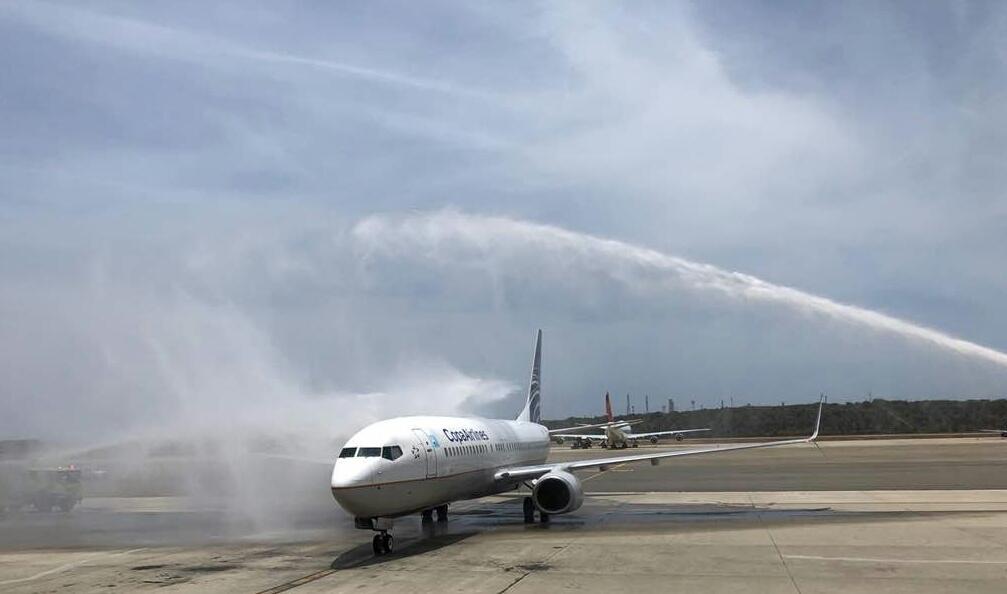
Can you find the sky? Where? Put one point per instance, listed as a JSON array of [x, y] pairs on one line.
[[320, 214]]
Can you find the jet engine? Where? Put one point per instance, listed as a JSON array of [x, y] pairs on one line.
[[558, 492]]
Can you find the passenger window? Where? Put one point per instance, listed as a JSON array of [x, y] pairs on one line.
[[391, 452], [348, 452], [369, 452]]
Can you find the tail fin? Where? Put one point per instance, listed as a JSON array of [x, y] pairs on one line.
[[608, 407], [533, 407]]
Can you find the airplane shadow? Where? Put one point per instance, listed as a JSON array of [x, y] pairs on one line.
[[431, 540]]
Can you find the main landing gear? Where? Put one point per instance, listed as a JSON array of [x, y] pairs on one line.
[[428, 514], [529, 512], [382, 543]]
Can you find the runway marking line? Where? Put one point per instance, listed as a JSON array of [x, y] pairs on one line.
[[601, 472], [911, 561], [67, 566], [299, 581]]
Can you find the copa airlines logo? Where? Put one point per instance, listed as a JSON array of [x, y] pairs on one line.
[[534, 404], [465, 435]]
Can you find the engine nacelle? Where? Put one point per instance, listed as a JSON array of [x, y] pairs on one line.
[[558, 492]]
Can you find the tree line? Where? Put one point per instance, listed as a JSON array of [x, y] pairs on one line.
[[876, 416]]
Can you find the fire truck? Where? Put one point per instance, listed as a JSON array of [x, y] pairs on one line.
[[44, 489]]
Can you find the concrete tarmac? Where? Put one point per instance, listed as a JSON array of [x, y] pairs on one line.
[[879, 516]]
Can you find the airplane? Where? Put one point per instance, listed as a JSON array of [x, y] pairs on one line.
[[1002, 432], [408, 465], [618, 434]]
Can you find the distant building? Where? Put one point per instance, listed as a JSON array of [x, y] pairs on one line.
[[19, 449], [671, 405]]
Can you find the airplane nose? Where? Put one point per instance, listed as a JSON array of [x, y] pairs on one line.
[[352, 472]]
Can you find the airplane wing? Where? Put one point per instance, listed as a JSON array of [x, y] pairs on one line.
[[657, 433], [577, 428], [575, 436], [595, 426], [533, 472]]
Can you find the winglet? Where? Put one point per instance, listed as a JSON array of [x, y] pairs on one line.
[[818, 421]]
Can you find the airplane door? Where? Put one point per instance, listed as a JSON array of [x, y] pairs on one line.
[[427, 451]]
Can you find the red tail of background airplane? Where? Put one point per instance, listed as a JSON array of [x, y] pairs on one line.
[[608, 407]]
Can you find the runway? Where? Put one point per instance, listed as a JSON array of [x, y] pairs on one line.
[[879, 516]]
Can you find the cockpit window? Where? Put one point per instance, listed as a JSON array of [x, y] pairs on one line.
[[348, 452], [391, 452], [368, 452]]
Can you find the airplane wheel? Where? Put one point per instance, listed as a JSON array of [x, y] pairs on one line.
[[679, 437], [442, 513], [543, 517], [382, 544], [636, 445], [529, 511], [427, 515]]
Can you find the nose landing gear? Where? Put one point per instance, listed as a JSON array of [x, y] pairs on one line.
[[382, 543]]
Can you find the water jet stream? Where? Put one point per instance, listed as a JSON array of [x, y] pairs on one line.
[[451, 237]]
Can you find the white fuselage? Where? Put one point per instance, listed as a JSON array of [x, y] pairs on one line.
[[438, 460], [616, 434]]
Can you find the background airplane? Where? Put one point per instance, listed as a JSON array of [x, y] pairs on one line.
[[410, 465], [1002, 432], [617, 433]]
